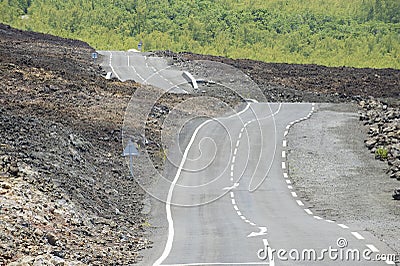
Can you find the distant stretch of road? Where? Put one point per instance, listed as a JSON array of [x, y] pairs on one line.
[[144, 69], [232, 201]]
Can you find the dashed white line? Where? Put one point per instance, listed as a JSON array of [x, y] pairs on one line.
[[294, 194], [253, 224], [357, 235], [329, 221], [243, 218], [233, 159], [240, 135], [317, 217], [236, 207], [238, 213], [237, 143], [283, 154], [372, 248], [290, 187], [308, 211], [232, 166], [284, 143], [232, 195], [285, 134], [283, 165], [285, 175], [288, 126], [233, 201], [288, 181], [300, 203], [343, 226], [235, 151]]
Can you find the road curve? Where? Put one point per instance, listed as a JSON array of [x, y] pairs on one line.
[[232, 201]]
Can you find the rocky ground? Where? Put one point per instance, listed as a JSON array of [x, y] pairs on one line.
[[66, 196]]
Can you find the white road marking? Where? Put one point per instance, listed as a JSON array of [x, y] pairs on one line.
[[171, 231], [285, 175], [290, 187], [294, 194], [241, 131], [288, 126], [239, 213], [217, 263], [284, 143], [372, 248], [233, 159], [283, 165], [343, 226], [237, 143], [300, 203], [242, 217], [308, 211], [232, 166], [263, 231], [317, 217], [232, 195], [329, 221], [357, 235], [389, 262], [285, 134], [236, 208], [233, 201], [240, 135], [235, 151], [253, 224], [283, 154], [231, 173], [288, 181]]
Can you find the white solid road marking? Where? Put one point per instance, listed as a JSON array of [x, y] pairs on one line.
[[372, 248], [357, 235], [343, 226], [300, 203], [308, 211], [171, 231]]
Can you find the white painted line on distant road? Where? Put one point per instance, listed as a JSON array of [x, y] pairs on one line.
[[288, 126], [232, 195], [233, 159], [294, 194], [372, 248], [290, 187], [288, 181], [217, 263], [235, 151], [343, 226], [283, 165], [283, 154], [300, 203], [240, 135], [357, 235], [285, 134], [237, 143], [238, 212], [236, 207], [317, 217], [285, 175], [389, 262], [308, 211], [329, 221], [233, 201], [284, 143]]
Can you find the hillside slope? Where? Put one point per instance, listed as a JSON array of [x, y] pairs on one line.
[[359, 33]]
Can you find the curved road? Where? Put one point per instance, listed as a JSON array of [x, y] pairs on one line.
[[233, 202]]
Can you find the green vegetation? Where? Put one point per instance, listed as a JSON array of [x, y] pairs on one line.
[[381, 153], [359, 33]]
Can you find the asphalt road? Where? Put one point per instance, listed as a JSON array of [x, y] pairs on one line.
[[228, 198], [144, 69], [231, 201]]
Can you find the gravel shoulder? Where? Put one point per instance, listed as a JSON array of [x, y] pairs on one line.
[[338, 177]]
